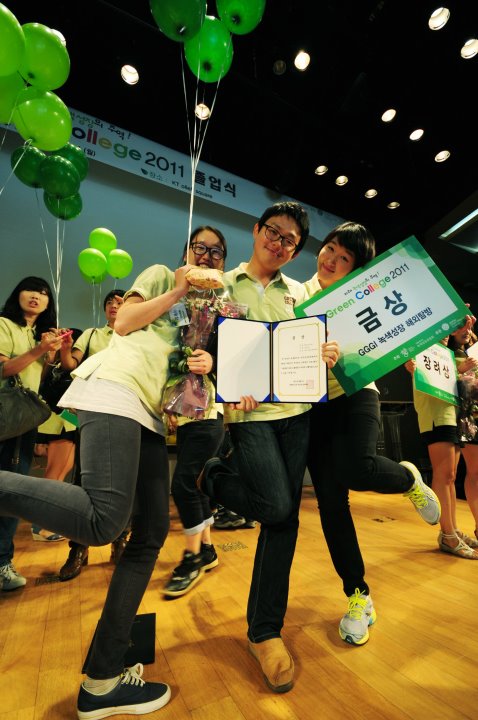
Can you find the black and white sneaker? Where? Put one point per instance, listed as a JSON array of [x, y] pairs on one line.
[[225, 519], [131, 696], [185, 576], [209, 557]]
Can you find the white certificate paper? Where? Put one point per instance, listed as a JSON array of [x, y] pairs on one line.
[[272, 361]]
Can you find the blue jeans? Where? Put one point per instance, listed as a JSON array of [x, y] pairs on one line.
[[263, 479], [346, 430], [196, 443], [8, 525], [124, 469]]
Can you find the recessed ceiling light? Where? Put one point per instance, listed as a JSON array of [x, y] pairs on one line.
[[469, 49], [393, 205], [439, 18], [279, 67], [321, 170], [388, 115], [416, 134], [342, 180], [202, 111], [302, 60], [371, 193], [129, 74], [442, 156]]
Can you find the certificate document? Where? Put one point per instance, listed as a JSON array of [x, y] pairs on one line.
[[435, 373], [386, 312], [272, 361]]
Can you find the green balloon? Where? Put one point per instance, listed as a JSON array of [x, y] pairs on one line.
[[92, 263], [94, 280], [12, 44], [41, 117], [64, 208], [26, 161], [103, 239], [209, 53], [240, 16], [46, 63], [179, 20], [76, 156], [59, 177], [10, 87], [119, 264]]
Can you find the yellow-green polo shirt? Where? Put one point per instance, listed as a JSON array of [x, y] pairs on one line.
[[432, 411], [140, 359], [274, 302], [16, 340], [100, 339]]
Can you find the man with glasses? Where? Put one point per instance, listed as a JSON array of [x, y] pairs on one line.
[[262, 478]]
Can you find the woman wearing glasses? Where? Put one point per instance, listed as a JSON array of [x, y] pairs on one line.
[[197, 439]]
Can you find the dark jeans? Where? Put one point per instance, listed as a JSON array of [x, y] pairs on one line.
[[196, 443], [345, 431], [262, 479], [8, 525], [124, 474]]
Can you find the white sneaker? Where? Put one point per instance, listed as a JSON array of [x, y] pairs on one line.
[[423, 498], [353, 627], [11, 580]]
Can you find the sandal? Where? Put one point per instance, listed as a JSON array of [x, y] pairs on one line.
[[461, 550], [470, 541], [52, 537]]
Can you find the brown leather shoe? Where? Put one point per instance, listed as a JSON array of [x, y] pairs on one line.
[[117, 548], [77, 557], [276, 663]]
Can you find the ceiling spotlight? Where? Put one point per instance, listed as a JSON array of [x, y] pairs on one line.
[[279, 67], [439, 18], [388, 115], [202, 111], [302, 60], [442, 156], [342, 180], [469, 49], [393, 205], [416, 134], [129, 74], [371, 193], [321, 170]]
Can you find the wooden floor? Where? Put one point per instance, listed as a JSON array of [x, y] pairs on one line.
[[420, 662]]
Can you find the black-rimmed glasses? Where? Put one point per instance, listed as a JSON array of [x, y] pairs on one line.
[[274, 235], [216, 253]]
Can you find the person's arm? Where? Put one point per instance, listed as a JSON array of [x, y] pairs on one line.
[[48, 345], [70, 359], [136, 313]]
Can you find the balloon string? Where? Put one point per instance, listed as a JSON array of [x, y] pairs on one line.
[[197, 141], [25, 145]]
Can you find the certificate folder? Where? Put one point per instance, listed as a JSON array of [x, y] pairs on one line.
[[272, 361]]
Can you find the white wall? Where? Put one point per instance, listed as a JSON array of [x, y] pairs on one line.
[[150, 222]]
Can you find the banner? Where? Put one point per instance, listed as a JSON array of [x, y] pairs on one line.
[[120, 148], [386, 312]]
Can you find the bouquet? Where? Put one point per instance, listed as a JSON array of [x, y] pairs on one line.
[[187, 393], [468, 410]]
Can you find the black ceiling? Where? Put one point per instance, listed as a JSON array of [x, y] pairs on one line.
[[275, 130]]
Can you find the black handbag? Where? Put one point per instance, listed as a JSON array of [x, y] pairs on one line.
[[57, 381], [21, 409]]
